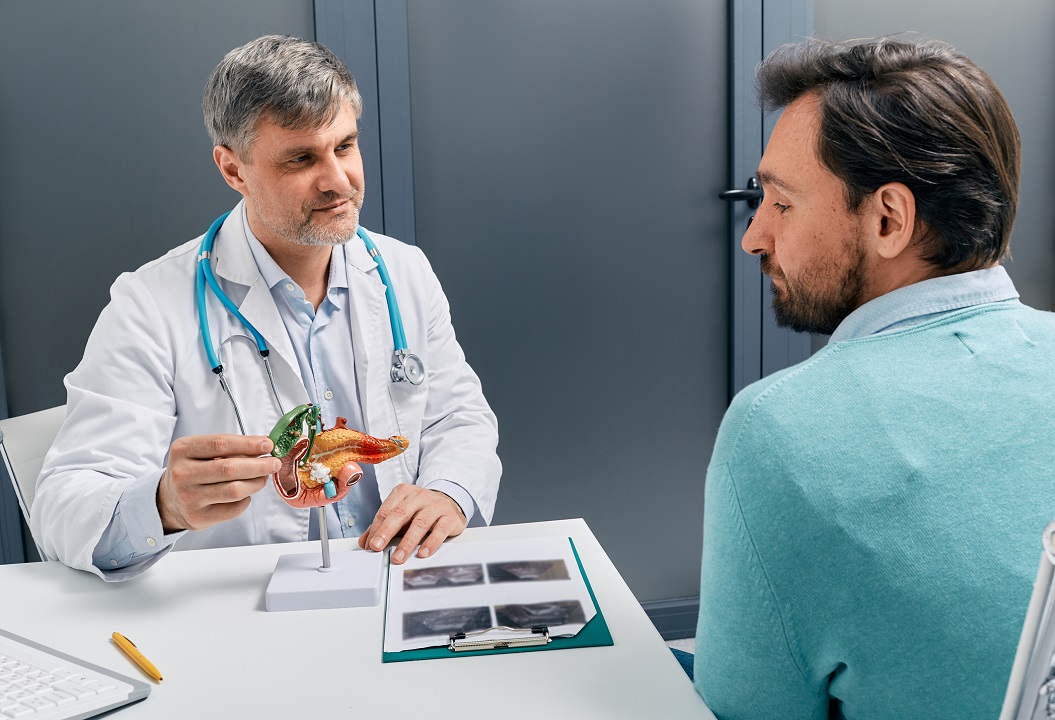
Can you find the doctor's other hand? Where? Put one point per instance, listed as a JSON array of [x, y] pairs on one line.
[[210, 478], [423, 516]]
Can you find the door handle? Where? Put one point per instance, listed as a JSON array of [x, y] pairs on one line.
[[752, 194]]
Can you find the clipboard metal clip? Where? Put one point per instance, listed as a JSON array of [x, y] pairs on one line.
[[501, 637]]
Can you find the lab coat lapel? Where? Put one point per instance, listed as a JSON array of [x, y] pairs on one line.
[[234, 262], [372, 342], [366, 296], [259, 309]]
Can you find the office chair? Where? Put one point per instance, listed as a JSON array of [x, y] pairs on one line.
[[1031, 688], [24, 441]]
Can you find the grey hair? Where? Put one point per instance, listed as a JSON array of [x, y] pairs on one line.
[[293, 82]]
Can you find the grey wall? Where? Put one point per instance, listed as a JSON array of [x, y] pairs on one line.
[[104, 165], [105, 161], [1012, 41]]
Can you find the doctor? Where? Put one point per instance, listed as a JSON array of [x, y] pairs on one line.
[[150, 455]]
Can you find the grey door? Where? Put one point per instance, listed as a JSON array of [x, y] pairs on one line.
[[567, 158]]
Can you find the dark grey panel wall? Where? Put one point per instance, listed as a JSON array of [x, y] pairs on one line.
[[105, 161], [347, 28], [567, 162], [1012, 41]]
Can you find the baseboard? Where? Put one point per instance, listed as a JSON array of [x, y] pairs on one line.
[[675, 618]]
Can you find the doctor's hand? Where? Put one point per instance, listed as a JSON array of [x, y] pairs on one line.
[[210, 478], [423, 516]]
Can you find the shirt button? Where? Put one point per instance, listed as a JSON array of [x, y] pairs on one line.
[[113, 563], [328, 394], [351, 522], [289, 286], [152, 542]]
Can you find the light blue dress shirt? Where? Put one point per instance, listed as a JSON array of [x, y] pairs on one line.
[[322, 341], [924, 301]]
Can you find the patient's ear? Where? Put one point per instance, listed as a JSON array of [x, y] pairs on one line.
[[894, 219]]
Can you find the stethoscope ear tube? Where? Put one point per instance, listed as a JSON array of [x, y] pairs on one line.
[[205, 267], [406, 366], [396, 320], [202, 275], [199, 291]]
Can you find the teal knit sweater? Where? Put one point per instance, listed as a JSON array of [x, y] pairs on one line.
[[873, 521]]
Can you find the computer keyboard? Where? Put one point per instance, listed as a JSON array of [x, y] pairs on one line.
[[39, 683]]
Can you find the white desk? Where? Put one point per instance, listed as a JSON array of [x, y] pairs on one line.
[[199, 616]]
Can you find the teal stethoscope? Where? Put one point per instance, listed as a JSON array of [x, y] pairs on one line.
[[406, 366]]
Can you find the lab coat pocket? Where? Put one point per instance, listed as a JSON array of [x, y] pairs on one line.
[[408, 401]]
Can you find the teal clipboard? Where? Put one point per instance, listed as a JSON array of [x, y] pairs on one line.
[[594, 634]]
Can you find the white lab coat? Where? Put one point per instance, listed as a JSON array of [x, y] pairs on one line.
[[145, 381]]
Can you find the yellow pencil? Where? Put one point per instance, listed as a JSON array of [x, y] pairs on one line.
[[129, 648]]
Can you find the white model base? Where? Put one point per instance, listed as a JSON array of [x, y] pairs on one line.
[[301, 583]]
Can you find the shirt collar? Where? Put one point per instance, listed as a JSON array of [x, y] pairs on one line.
[[273, 274], [920, 301]]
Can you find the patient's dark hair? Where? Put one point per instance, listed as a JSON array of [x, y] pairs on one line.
[[918, 113]]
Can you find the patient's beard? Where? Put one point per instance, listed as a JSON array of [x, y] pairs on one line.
[[821, 297]]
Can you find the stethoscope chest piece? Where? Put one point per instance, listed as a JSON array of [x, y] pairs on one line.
[[407, 367]]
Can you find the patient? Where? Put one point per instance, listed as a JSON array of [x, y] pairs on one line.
[[873, 514]]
